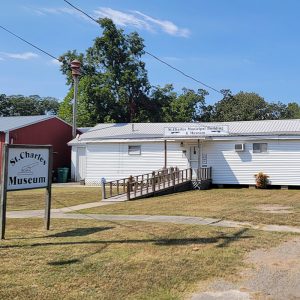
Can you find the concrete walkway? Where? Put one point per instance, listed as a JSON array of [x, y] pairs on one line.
[[65, 213]]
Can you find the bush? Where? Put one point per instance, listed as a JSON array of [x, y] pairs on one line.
[[261, 180]]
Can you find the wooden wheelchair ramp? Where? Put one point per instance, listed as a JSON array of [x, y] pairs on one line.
[[152, 184]]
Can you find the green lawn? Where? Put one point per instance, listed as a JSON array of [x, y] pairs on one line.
[[61, 197], [81, 259], [231, 204]]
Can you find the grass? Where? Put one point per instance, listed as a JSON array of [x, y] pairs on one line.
[[61, 197], [119, 260], [231, 204]]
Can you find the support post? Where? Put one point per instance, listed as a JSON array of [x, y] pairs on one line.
[[198, 165], [48, 192], [3, 191], [128, 189], [153, 182], [103, 189], [166, 154]]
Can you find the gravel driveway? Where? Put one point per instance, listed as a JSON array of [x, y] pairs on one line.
[[275, 275]]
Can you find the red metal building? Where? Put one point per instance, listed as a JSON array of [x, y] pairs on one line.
[[39, 130]]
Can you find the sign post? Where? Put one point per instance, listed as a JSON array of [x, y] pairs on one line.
[[48, 192], [26, 167], [3, 190]]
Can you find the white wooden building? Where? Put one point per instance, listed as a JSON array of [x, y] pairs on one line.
[[236, 151]]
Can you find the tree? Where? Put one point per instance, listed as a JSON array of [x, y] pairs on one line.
[[186, 107], [247, 107], [293, 110], [240, 107], [114, 83], [19, 105]]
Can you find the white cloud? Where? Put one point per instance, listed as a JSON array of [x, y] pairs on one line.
[[58, 11], [135, 19], [167, 26], [23, 56], [55, 62], [122, 19], [141, 21]]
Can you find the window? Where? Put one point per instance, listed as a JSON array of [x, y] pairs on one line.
[[134, 150], [260, 147]]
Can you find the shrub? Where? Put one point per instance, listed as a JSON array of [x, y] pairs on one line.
[[261, 180]]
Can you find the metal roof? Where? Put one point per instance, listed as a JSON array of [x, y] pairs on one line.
[[84, 129], [12, 123], [106, 131]]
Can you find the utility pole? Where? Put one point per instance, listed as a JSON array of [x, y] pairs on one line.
[[75, 66]]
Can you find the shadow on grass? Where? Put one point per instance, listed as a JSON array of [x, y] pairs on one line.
[[79, 232], [79, 258], [221, 240], [63, 262]]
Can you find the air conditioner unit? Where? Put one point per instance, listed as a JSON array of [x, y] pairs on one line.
[[239, 147]]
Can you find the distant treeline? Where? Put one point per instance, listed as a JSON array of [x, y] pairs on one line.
[[19, 105]]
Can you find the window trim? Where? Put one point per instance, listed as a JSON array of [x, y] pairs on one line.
[[138, 151], [260, 148]]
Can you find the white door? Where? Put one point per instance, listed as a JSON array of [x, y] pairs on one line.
[[195, 156], [81, 163]]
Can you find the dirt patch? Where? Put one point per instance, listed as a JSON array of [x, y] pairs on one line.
[[275, 209], [275, 274]]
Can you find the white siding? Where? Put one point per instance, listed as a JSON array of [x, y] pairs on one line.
[[281, 162], [112, 161]]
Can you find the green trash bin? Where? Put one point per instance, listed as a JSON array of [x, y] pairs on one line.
[[62, 175]]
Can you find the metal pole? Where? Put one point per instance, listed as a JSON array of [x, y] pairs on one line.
[[74, 129], [75, 66]]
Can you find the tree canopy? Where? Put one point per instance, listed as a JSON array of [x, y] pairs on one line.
[[19, 105], [249, 106], [114, 84]]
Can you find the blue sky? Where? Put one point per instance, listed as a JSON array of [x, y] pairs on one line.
[[249, 45]]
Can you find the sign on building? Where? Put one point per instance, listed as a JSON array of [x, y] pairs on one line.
[[25, 167], [196, 131]]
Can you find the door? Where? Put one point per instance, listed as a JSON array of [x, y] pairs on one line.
[[81, 164], [195, 156]]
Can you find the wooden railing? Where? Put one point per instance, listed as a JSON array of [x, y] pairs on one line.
[[136, 186], [204, 173]]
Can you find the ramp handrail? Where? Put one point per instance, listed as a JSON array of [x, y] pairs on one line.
[[120, 186], [139, 185]]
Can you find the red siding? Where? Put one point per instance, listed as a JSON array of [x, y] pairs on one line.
[[49, 132]]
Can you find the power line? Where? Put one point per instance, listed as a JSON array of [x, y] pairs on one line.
[[34, 46], [184, 74], [152, 55], [80, 10]]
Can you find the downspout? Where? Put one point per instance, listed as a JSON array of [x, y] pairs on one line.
[[6, 137]]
